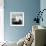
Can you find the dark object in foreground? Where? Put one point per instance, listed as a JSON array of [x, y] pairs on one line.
[[37, 19]]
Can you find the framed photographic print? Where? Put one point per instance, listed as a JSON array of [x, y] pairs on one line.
[[16, 18]]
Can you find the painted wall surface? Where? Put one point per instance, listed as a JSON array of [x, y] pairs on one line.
[[43, 6], [29, 7]]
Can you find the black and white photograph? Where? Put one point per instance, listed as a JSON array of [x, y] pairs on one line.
[[17, 18]]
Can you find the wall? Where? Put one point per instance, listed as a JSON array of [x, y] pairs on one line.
[[29, 7], [43, 6]]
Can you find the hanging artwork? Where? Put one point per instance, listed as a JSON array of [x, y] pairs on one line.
[[17, 18]]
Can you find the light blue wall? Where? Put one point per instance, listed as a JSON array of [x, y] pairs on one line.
[[29, 7], [43, 6]]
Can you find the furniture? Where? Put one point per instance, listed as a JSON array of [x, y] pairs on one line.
[[39, 35]]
